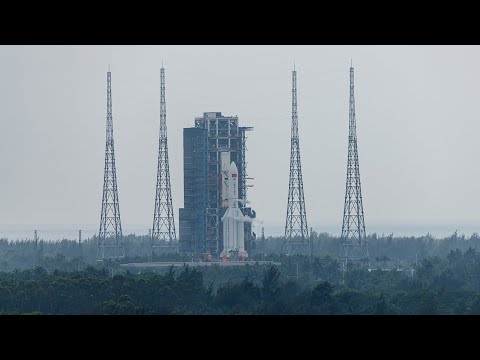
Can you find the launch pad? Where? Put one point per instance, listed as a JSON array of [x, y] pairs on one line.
[[153, 265]]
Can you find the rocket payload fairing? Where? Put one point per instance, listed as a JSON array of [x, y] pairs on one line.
[[233, 220]]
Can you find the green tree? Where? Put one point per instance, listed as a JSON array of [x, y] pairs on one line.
[[321, 297], [270, 282], [381, 305]]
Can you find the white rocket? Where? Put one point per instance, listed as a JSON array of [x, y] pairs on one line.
[[233, 220]]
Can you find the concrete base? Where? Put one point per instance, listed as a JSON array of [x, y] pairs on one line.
[[152, 265]]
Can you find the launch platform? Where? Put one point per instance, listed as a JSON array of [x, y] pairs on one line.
[[153, 265]]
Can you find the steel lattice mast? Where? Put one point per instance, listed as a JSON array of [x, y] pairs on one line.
[[110, 244], [163, 218], [296, 229], [354, 245]]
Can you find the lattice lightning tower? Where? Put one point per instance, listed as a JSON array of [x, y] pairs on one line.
[[163, 219], [296, 229], [354, 245], [110, 244]]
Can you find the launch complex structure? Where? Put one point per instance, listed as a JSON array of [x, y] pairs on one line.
[[208, 150], [215, 221]]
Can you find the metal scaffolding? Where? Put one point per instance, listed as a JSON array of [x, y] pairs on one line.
[[222, 135]]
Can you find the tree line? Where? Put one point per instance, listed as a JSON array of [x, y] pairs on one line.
[[386, 249]]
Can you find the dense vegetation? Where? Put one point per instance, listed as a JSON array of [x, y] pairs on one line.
[[437, 286], [400, 251], [407, 276]]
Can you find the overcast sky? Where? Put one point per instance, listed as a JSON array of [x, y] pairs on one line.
[[417, 124]]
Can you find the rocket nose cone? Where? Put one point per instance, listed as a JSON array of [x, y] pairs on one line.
[[233, 168]]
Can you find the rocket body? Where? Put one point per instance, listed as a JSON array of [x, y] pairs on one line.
[[233, 220]]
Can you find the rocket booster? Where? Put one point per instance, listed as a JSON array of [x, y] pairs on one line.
[[233, 220]]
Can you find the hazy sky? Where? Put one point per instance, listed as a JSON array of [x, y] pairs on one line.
[[417, 112]]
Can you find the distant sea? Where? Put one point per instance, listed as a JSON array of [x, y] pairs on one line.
[[438, 231], [55, 232]]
